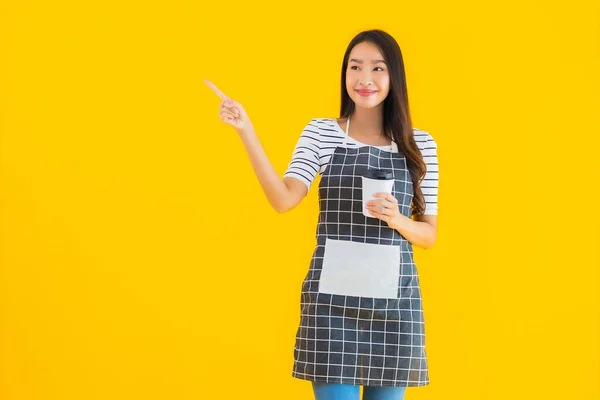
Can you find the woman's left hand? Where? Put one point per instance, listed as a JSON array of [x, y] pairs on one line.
[[385, 208]]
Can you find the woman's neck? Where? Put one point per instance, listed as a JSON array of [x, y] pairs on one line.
[[367, 123]]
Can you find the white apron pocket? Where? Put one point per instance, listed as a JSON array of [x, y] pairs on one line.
[[360, 269]]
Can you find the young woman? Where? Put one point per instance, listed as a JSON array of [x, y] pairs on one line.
[[361, 311]]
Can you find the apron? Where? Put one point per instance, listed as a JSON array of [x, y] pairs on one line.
[[361, 319]]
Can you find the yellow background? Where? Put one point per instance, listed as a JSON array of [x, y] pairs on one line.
[[140, 259]]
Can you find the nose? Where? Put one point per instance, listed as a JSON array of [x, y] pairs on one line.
[[365, 80]]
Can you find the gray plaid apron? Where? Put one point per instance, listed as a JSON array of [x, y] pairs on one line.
[[361, 317]]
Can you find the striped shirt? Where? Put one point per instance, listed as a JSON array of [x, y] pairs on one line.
[[321, 136]]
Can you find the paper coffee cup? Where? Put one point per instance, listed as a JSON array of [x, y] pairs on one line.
[[375, 181]]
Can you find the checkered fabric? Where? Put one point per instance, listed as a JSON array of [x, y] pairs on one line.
[[351, 339]]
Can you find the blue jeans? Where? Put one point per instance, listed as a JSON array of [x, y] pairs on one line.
[[337, 391]]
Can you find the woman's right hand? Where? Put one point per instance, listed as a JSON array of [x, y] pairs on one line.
[[283, 194], [231, 112]]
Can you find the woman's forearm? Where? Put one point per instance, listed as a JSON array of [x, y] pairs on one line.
[[275, 189], [421, 234]]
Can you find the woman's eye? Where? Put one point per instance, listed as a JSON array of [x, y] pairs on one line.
[[355, 66]]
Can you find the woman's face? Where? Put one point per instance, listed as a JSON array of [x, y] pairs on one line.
[[367, 77]]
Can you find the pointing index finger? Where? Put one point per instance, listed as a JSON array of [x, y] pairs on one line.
[[216, 90]]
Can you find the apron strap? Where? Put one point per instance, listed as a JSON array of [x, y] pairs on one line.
[[347, 126], [346, 135]]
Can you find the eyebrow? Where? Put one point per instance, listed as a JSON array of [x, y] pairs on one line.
[[356, 60]]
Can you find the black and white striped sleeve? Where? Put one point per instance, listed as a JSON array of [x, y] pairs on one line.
[[429, 184], [304, 164]]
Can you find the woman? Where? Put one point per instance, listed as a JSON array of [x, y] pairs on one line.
[[361, 311]]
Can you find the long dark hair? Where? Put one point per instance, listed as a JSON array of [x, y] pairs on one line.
[[397, 123]]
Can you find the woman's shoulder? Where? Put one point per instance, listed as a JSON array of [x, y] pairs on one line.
[[326, 122], [423, 139], [324, 126]]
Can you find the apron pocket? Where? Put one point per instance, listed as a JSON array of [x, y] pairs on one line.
[[360, 269]]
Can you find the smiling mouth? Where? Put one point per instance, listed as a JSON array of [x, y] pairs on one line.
[[366, 92]]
